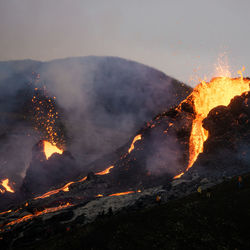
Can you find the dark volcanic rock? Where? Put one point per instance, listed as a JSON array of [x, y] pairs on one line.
[[220, 120], [43, 174]]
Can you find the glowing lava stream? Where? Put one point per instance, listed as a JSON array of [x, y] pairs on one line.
[[105, 171], [124, 193], [2, 191], [45, 211], [50, 149], [206, 96], [5, 184], [5, 212], [65, 188], [137, 138], [179, 175]]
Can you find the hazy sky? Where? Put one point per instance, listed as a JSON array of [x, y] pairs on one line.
[[183, 38]]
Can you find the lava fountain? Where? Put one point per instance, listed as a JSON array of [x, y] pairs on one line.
[[50, 149], [5, 184], [205, 97]]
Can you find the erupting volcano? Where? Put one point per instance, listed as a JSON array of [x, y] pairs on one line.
[[163, 150]]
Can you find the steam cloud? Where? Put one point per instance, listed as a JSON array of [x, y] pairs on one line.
[[166, 158]]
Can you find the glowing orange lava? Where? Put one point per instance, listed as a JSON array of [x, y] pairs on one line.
[[45, 211], [206, 96], [5, 212], [105, 171], [50, 149], [5, 184], [99, 195], [122, 193], [179, 175], [137, 138]]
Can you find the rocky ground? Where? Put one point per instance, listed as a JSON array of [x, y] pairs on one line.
[[30, 231], [200, 210]]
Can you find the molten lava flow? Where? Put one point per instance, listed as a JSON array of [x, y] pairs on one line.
[[50, 149], [5, 212], [99, 195], [45, 211], [65, 188], [105, 171], [5, 184], [179, 175], [205, 97], [123, 193], [137, 138]]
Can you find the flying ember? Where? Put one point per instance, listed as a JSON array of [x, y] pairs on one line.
[[179, 175], [45, 116], [5, 212], [65, 188], [122, 193], [50, 149]]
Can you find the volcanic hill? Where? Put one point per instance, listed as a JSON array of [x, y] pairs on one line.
[[99, 103]]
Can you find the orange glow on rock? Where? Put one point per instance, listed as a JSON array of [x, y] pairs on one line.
[[65, 188], [50, 149]]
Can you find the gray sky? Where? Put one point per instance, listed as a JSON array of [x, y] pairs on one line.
[[183, 38]]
